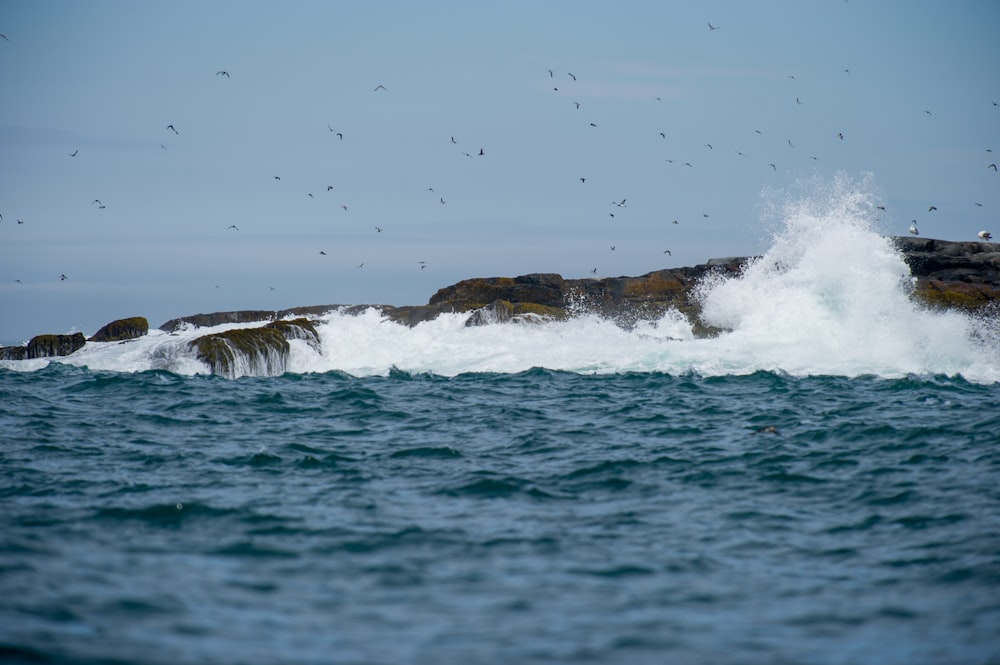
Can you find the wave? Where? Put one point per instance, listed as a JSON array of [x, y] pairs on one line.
[[831, 296]]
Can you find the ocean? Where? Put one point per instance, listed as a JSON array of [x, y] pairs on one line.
[[818, 485]]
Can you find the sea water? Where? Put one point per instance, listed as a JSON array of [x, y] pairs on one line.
[[819, 484]]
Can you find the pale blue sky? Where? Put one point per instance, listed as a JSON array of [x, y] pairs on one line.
[[104, 79]]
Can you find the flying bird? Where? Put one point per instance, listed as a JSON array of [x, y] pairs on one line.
[[992, 166], [577, 104], [593, 124], [97, 201], [322, 252], [329, 187], [63, 278], [173, 129], [667, 252], [481, 153], [712, 27], [379, 87], [985, 235], [551, 73], [453, 140], [378, 229], [277, 177], [74, 153], [571, 76], [931, 208], [620, 204], [233, 226], [222, 73]]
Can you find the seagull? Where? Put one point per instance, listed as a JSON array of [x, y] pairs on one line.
[[840, 135], [481, 153], [931, 208], [551, 73], [712, 27], [442, 200], [63, 278], [340, 136], [378, 229], [913, 228], [571, 76], [329, 188], [985, 235], [97, 201], [675, 222], [277, 177], [593, 124], [594, 271], [361, 265], [667, 252], [583, 180], [322, 252], [4, 37], [344, 206], [74, 153], [222, 73], [453, 140], [233, 226], [577, 104], [992, 166], [423, 264], [379, 87], [173, 129], [612, 248], [709, 146]]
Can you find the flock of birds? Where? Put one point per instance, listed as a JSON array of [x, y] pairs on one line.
[[616, 205]]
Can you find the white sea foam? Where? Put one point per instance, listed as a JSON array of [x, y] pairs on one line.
[[830, 297]]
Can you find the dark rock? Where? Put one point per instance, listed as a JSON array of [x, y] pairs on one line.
[[955, 275], [122, 329], [50, 346], [13, 352], [245, 316]]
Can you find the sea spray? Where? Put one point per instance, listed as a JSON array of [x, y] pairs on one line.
[[832, 296]]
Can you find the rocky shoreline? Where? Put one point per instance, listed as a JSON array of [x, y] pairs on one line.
[[953, 275]]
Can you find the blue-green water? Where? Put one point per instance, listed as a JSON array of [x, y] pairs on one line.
[[527, 517]]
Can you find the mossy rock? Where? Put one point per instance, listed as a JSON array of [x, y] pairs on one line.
[[951, 295], [49, 346], [244, 352], [122, 329]]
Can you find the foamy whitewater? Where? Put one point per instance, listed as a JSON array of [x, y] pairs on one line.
[[830, 297]]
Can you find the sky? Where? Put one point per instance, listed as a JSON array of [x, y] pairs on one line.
[[170, 158]]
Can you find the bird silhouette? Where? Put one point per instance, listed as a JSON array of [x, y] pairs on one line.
[[222, 73], [931, 208], [712, 27], [985, 235], [233, 226], [380, 87], [173, 129], [992, 166], [63, 278], [913, 228], [74, 153], [322, 252]]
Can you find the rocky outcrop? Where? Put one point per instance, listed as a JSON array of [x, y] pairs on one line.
[[259, 351], [51, 346], [122, 329], [242, 316], [959, 275], [547, 295]]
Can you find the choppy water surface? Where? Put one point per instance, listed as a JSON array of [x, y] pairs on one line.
[[533, 517]]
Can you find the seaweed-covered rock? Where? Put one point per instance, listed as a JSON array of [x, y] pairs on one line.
[[122, 329], [50, 346], [259, 351], [954, 275]]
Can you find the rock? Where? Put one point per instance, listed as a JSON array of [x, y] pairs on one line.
[[122, 329], [957, 275], [49, 346], [13, 352], [259, 351], [246, 316]]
